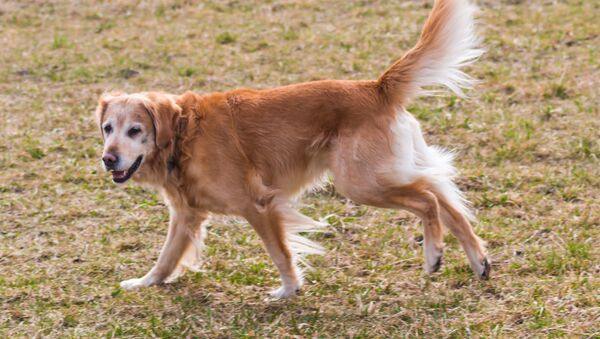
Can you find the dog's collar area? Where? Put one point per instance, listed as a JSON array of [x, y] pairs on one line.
[[171, 163], [173, 160]]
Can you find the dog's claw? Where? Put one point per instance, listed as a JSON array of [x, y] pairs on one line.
[[485, 274], [438, 264], [435, 266]]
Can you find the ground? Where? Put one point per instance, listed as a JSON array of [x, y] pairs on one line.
[[528, 150]]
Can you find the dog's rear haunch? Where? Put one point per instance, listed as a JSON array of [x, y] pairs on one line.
[[250, 152]]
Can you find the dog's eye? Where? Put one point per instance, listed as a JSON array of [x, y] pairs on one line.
[[107, 129], [133, 131]]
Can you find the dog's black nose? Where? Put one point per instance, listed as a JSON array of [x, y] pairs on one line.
[[110, 160]]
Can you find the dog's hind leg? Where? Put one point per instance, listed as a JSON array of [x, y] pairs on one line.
[[184, 230], [423, 203], [436, 165], [378, 169], [415, 198], [397, 169], [460, 226]]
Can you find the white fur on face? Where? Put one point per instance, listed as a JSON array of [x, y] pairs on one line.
[[127, 134]]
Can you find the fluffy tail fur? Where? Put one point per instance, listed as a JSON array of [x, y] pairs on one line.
[[447, 43]]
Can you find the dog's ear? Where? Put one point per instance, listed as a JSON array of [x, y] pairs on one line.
[[164, 113]]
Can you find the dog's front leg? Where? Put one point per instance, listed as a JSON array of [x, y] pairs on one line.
[[268, 224], [184, 228]]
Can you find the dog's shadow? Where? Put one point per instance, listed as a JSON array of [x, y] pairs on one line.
[[250, 306]]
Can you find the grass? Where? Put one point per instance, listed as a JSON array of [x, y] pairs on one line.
[[529, 159]]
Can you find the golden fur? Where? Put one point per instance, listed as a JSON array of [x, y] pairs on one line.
[[249, 152]]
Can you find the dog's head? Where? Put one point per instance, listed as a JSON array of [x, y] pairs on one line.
[[135, 127]]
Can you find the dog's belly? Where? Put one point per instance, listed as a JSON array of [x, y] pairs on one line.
[[298, 180]]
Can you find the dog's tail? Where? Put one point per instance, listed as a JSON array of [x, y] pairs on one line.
[[447, 43]]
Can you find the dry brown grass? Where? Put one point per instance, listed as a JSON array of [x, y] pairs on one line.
[[529, 155]]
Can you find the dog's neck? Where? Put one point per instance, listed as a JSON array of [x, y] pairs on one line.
[[164, 167], [174, 159]]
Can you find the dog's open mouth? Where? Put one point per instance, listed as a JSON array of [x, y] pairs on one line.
[[122, 176]]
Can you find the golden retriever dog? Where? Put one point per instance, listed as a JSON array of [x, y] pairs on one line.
[[250, 153]]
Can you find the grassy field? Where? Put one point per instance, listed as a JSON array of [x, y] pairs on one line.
[[529, 156]]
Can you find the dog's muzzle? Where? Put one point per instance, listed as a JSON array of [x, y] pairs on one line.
[[121, 176]]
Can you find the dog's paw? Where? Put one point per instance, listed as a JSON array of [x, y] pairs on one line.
[[284, 292], [433, 265], [486, 267], [482, 268], [134, 283], [433, 258]]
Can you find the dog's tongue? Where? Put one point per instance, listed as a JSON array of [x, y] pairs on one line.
[[118, 174]]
